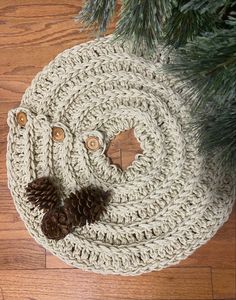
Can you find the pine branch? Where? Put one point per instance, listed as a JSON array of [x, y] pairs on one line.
[[221, 8], [203, 6], [141, 23], [216, 133], [98, 13], [209, 63], [207, 69], [231, 21], [183, 26]]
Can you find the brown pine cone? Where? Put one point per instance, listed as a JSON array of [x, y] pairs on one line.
[[56, 223], [87, 205], [43, 193]]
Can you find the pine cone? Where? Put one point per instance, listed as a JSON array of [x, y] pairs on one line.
[[87, 205], [56, 223], [43, 193]]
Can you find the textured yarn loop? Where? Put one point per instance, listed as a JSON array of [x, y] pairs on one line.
[[163, 207]]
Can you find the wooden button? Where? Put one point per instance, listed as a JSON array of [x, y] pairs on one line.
[[58, 134], [21, 118], [92, 143]]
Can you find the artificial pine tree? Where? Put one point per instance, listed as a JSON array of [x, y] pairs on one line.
[[202, 35]]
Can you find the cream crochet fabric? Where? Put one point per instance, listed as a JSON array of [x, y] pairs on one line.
[[163, 207]]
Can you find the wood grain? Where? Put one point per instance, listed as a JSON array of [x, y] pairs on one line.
[[21, 254], [224, 283], [3, 148], [9, 219], [169, 284], [39, 37], [12, 88], [53, 262], [123, 149], [4, 107], [32, 33]]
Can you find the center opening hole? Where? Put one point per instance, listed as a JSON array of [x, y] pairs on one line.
[[123, 148]]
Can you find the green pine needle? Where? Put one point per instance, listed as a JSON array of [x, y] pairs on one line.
[[209, 62], [207, 69], [98, 13], [141, 23], [216, 132], [183, 26], [202, 6]]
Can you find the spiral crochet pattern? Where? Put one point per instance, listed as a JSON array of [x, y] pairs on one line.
[[164, 206]]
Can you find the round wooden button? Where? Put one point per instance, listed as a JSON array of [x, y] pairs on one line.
[[92, 143], [21, 118], [58, 134]]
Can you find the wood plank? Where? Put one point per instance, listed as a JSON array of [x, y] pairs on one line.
[[39, 38], [114, 156], [220, 251], [125, 146], [46, 32], [30, 9], [9, 218], [125, 141], [4, 108], [168, 284], [15, 251], [224, 283], [12, 88], [21, 19], [21, 254], [53, 262], [11, 222], [27, 61], [3, 149], [6, 204], [127, 157], [14, 234]]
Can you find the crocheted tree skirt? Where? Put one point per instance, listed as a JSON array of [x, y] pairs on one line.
[[164, 206]]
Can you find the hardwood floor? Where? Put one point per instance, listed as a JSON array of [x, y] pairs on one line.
[[31, 34]]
